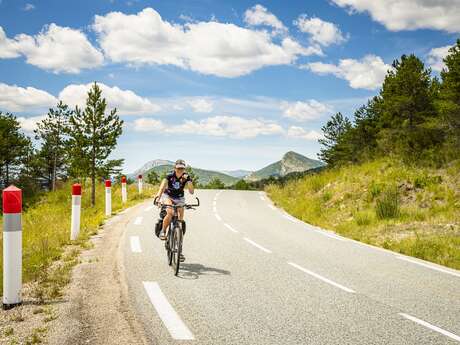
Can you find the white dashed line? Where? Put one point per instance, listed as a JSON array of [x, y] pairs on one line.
[[430, 326], [135, 244], [344, 288], [257, 245], [214, 203], [138, 221], [166, 312], [428, 266], [218, 217], [229, 227]]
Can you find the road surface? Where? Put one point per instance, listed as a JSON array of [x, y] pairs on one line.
[[255, 275]]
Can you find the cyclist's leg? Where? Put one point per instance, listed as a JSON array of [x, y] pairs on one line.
[[167, 219]]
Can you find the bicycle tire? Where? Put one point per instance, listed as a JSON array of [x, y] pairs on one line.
[[169, 246], [177, 249]]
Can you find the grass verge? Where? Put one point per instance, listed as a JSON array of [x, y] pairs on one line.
[[410, 210]]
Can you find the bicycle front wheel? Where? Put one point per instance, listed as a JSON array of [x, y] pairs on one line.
[[177, 249]]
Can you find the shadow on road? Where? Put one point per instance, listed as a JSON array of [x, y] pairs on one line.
[[194, 271]]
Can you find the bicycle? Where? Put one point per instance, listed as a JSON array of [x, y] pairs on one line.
[[173, 243]]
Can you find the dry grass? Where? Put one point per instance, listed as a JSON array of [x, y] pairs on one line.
[[411, 210]]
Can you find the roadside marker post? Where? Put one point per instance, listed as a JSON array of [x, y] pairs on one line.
[[124, 192], [76, 211], [12, 247], [108, 198], [140, 184]]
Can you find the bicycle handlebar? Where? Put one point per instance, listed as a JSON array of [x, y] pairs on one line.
[[187, 206]]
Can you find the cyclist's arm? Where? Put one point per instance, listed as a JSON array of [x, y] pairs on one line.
[[162, 188], [190, 187]]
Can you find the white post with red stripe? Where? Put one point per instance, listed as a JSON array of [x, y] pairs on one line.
[[12, 247], [140, 184], [76, 211], [124, 192], [108, 198]]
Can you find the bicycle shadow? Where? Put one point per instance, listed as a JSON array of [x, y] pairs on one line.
[[194, 271]]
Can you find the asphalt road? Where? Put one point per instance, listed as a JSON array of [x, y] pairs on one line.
[[254, 275]]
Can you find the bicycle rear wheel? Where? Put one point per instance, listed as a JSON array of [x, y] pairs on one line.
[[177, 248]]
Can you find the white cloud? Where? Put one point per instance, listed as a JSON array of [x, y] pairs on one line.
[[219, 126], [8, 47], [399, 15], [322, 32], [126, 101], [367, 73], [17, 99], [201, 105], [436, 57], [28, 124], [224, 50], [305, 111], [59, 49], [259, 15], [300, 133], [29, 7]]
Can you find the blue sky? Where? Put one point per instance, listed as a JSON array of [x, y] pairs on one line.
[[224, 85]]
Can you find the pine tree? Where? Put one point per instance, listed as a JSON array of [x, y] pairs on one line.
[[51, 131], [94, 135], [334, 129], [449, 98], [14, 148]]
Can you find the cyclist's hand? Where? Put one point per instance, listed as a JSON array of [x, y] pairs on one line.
[[185, 177]]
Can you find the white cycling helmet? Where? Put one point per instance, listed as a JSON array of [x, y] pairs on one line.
[[180, 163]]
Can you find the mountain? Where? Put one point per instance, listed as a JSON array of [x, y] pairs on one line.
[[237, 173], [161, 166], [291, 162], [149, 165]]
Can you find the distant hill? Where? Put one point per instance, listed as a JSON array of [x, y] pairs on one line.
[[290, 163], [237, 173], [161, 166]]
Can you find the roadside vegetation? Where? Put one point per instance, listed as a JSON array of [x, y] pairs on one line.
[[393, 175]]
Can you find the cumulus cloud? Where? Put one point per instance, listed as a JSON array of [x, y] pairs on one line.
[[300, 133], [29, 124], [322, 32], [126, 101], [436, 57], [59, 49], [17, 99], [305, 111], [8, 47], [29, 7], [367, 73], [218, 126], [259, 15], [212, 48], [201, 105], [399, 15]]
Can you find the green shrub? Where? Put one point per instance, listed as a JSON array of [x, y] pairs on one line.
[[374, 190], [387, 206], [363, 218]]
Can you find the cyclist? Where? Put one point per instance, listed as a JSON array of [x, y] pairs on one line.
[[171, 192]]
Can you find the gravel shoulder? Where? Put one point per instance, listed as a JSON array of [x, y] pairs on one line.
[[95, 308]]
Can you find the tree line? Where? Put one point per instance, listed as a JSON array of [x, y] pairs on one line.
[[67, 144], [415, 117]]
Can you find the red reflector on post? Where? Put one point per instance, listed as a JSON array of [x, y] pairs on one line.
[[123, 179], [140, 176], [12, 200], [108, 183], [76, 189]]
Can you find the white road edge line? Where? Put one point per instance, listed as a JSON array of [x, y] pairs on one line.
[[166, 312], [135, 244], [430, 326], [149, 208], [230, 227], [344, 288], [138, 221], [427, 265], [218, 217], [262, 198], [272, 207], [290, 218], [257, 245]]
